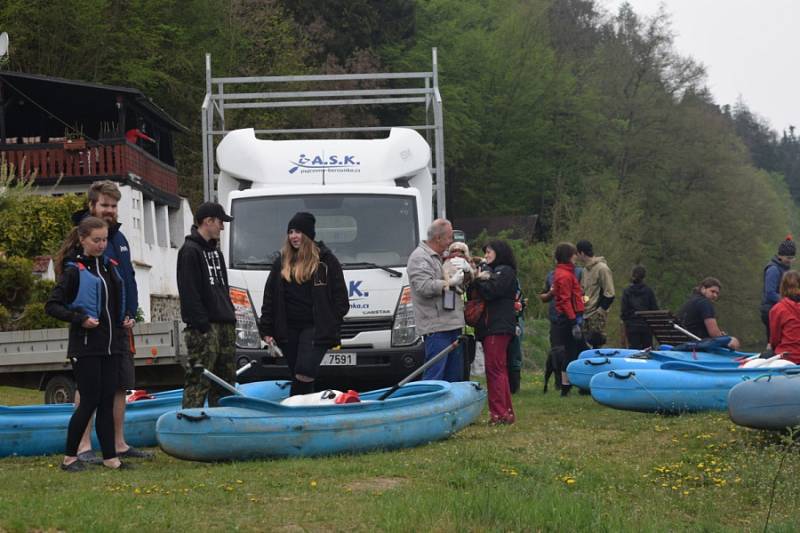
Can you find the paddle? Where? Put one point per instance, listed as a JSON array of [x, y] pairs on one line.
[[224, 384], [432, 361]]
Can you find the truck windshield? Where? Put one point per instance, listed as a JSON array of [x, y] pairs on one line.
[[359, 228]]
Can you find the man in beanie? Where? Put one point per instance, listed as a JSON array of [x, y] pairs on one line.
[[773, 273], [206, 308], [598, 289]]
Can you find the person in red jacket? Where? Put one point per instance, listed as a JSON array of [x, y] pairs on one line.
[[569, 305], [784, 318]]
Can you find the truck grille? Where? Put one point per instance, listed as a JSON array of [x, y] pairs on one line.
[[351, 328]]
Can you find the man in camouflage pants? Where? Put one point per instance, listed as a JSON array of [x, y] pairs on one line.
[[597, 283], [206, 308]]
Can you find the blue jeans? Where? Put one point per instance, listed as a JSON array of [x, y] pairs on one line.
[[450, 368]]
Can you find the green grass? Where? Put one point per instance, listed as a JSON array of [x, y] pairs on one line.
[[568, 464]]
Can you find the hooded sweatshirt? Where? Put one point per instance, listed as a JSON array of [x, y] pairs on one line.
[[637, 297], [203, 284], [784, 328], [597, 284]]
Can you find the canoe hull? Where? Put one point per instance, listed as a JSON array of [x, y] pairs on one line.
[[581, 371], [243, 429], [674, 388], [772, 403], [42, 429]]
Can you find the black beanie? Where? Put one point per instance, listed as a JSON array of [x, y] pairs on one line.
[[787, 247], [304, 223]]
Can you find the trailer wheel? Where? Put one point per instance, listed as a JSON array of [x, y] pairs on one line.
[[59, 389]]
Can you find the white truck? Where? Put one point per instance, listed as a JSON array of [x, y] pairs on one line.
[[373, 200]]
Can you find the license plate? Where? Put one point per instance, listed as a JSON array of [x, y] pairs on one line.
[[339, 359]]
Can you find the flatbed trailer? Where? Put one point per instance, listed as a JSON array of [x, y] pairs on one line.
[[37, 359]]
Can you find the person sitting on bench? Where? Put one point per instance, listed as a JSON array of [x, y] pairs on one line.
[[698, 315]]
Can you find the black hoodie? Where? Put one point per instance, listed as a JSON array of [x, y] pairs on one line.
[[329, 299], [107, 338], [203, 284], [637, 297]]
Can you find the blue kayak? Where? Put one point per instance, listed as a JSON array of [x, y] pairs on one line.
[[581, 371], [42, 429], [770, 402], [248, 428], [674, 388], [697, 356]]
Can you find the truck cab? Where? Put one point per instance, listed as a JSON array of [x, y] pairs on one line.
[[372, 202]]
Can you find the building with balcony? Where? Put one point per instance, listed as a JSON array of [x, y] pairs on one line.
[[70, 133]]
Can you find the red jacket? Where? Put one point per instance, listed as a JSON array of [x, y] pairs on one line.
[[784, 328], [567, 291]]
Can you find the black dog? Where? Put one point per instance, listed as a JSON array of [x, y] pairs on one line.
[[553, 366]]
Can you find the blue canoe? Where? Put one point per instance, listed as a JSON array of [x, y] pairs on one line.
[[247, 428], [770, 402], [674, 388], [697, 356], [581, 371], [42, 429]]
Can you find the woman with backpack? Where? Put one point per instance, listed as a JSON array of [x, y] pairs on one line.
[[90, 295]]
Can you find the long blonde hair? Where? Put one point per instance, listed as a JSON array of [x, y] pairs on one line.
[[299, 265], [82, 230]]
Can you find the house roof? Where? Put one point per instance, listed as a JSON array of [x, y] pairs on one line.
[[64, 97]]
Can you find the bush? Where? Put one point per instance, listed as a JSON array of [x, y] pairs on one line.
[[34, 317], [16, 282], [5, 318], [34, 225], [41, 291]]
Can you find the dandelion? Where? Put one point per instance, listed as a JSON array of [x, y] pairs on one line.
[[313, 484]]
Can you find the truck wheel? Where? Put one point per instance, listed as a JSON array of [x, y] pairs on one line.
[[60, 389]]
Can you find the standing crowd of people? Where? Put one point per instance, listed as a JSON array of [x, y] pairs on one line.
[[306, 300]]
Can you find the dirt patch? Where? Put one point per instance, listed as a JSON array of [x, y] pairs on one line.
[[375, 484]]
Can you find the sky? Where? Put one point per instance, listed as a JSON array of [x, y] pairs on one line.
[[747, 46]]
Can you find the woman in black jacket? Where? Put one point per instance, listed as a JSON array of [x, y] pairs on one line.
[[305, 301], [637, 297], [497, 284], [90, 295]]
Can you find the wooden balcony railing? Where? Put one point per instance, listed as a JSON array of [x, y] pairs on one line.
[[90, 159]]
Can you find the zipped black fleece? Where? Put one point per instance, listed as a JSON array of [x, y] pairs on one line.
[[330, 302], [203, 284], [107, 338]]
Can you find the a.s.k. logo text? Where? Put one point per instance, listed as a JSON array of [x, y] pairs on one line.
[[357, 293], [337, 163]]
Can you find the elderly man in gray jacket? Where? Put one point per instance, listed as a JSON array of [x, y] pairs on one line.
[[438, 310]]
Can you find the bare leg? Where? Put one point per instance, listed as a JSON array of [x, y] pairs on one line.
[[119, 421], [564, 378]]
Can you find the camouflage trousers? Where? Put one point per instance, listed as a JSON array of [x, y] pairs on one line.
[[215, 351], [594, 327]]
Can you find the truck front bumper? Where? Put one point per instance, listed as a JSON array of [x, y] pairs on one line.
[[380, 367]]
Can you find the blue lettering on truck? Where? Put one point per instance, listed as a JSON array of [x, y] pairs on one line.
[[317, 163], [355, 292]]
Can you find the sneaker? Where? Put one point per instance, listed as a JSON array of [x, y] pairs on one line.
[[135, 453], [75, 466], [89, 457]]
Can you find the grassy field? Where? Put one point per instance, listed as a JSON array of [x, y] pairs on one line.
[[568, 464]]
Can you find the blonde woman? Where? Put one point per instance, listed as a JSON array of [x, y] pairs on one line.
[[305, 301]]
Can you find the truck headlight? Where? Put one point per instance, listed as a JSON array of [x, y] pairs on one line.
[[247, 335], [404, 331]]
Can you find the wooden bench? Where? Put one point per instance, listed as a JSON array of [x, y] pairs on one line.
[[662, 325]]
